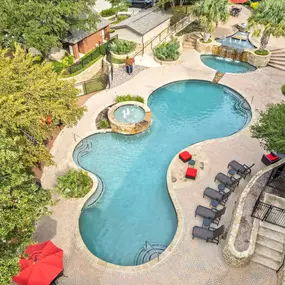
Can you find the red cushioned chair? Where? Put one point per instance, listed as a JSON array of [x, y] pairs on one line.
[[270, 158], [191, 173], [185, 156]]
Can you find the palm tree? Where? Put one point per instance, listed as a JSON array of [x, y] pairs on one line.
[[210, 12], [269, 17]]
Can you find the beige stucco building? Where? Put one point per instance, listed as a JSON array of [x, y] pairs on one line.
[[144, 26]]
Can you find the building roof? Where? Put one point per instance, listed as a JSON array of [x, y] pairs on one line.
[[144, 21], [78, 35]]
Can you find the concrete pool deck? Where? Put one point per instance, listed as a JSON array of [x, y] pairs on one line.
[[190, 261]]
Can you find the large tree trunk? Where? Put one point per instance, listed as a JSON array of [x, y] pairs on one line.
[[264, 40]]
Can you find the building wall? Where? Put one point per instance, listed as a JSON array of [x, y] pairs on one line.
[[128, 35], [156, 31], [92, 41]]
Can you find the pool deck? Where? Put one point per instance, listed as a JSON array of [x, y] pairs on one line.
[[190, 261]]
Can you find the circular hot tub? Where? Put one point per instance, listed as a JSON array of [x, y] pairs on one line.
[[129, 117]]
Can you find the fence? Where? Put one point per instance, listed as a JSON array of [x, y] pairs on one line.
[[269, 213]]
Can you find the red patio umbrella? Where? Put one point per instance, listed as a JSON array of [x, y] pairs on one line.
[[43, 265], [238, 1]]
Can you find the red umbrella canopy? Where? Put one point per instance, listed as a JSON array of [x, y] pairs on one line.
[[238, 1], [43, 265]]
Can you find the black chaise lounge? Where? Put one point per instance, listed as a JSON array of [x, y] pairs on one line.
[[216, 195], [229, 182], [208, 234], [242, 169], [213, 214]]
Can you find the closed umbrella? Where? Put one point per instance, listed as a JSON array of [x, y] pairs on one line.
[[43, 265]]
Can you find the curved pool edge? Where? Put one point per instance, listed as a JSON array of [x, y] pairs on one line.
[[104, 265]]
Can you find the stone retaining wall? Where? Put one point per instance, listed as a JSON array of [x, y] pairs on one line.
[[231, 255]]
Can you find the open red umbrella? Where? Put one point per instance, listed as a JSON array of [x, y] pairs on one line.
[[43, 265], [238, 1]]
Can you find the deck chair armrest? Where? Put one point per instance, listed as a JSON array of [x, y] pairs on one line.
[[214, 210], [211, 229]]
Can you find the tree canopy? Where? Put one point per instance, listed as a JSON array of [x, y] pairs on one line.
[[33, 101], [211, 12], [43, 23], [270, 129], [268, 19]]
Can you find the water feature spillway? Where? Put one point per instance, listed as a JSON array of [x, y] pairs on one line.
[[135, 206]]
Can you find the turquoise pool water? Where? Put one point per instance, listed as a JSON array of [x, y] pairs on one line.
[[135, 206], [226, 65], [237, 43], [129, 114]]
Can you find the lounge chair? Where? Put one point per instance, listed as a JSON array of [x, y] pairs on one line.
[[230, 182], [242, 169], [208, 234], [213, 214], [216, 195]]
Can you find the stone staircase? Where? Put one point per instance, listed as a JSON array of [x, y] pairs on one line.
[[277, 59], [270, 243], [190, 41]]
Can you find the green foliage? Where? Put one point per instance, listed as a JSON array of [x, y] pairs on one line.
[[178, 13], [129, 97], [37, 59], [254, 5], [67, 60], [104, 124], [120, 5], [58, 66], [118, 60], [167, 51], [210, 12], [261, 52], [108, 12], [42, 24], [22, 203], [74, 184], [206, 42], [112, 31], [283, 89], [268, 19], [29, 94], [96, 84], [120, 18], [270, 129], [194, 26], [122, 47]]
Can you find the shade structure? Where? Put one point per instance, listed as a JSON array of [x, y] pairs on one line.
[[238, 1], [42, 266]]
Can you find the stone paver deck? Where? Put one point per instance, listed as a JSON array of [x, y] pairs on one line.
[[190, 261]]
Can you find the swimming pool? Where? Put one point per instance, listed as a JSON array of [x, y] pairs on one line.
[[135, 210], [226, 65], [239, 40], [129, 114]]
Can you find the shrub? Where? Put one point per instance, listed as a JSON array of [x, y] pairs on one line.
[[262, 52], [254, 5], [58, 66], [67, 60], [283, 89], [195, 26], [167, 51], [112, 31], [38, 59], [120, 18], [129, 97], [74, 184], [207, 42], [178, 13], [104, 124], [122, 47], [108, 12]]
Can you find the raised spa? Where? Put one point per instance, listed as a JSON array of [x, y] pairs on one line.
[[129, 114]]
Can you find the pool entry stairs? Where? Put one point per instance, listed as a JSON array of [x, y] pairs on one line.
[[277, 59], [270, 243], [148, 252]]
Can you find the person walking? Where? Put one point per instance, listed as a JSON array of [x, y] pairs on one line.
[[129, 65]]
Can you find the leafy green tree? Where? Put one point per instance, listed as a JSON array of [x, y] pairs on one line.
[[120, 5], [268, 19], [43, 23], [210, 12], [34, 100], [22, 202], [270, 129]]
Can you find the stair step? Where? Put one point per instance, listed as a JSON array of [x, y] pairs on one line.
[[274, 245], [265, 261], [277, 58], [271, 234], [277, 62], [269, 253], [272, 227], [276, 66], [278, 51]]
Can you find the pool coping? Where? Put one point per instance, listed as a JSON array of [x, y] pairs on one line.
[[79, 243]]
